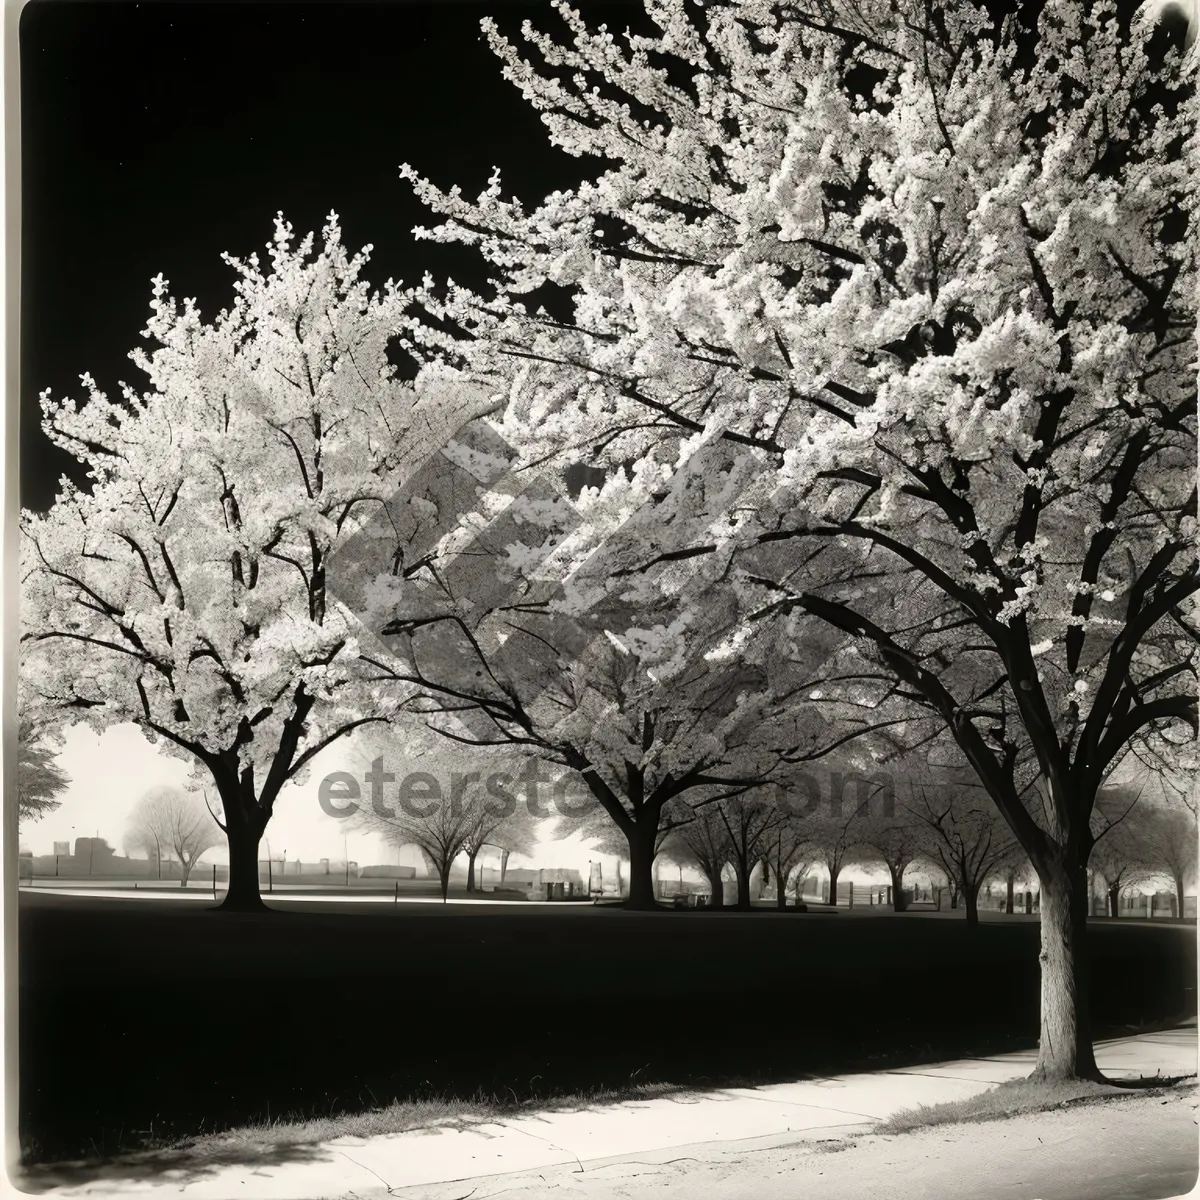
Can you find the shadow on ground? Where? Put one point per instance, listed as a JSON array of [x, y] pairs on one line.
[[183, 1021]]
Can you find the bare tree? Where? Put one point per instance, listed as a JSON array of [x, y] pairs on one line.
[[748, 823], [788, 850], [1166, 844], [171, 821], [516, 834], [1118, 849], [507, 827], [968, 837], [1011, 869], [704, 841], [897, 839]]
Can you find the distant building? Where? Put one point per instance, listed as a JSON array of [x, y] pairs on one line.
[[387, 871], [93, 849], [549, 883]]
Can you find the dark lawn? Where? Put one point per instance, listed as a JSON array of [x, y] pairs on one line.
[[143, 1018]]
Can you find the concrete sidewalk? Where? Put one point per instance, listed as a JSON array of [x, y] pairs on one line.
[[817, 1108]]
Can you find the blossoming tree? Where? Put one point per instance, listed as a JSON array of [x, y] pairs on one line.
[[520, 621], [931, 269], [186, 589]]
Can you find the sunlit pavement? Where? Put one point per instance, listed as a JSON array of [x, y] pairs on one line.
[[767, 1116]]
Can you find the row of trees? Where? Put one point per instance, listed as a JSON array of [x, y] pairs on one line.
[[875, 330], [948, 831]]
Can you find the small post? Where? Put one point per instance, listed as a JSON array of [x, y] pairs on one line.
[[850, 894], [396, 900], [56, 866], [214, 881]]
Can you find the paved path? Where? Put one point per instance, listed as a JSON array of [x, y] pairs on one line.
[[668, 1128], [1135, 1149]]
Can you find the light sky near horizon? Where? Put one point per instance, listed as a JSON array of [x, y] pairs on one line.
[[111, 771]]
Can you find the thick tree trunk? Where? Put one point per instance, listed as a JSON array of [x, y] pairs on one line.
[[742, 871], [471, 870], [1065, 1046], [641, 869], [718, 888], [970, 897], [444, 880], [504, 865], [780, 890], [1114, 900], [1179, 895], [243, 837], [764, 879], [833, 878], [1009, 884], [899, 900]]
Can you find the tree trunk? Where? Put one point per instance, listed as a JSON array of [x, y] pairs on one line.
[[503, 865], [742, 870], [718, 887], [970, 897], [1179, 896], [186, 871], [243, 837], [899, 900], [1009, 884], [444, 880], [641, 868], [1065, 1046], [833, 878], [780, 890], [764, 879], [1114, 900], [471, 870]]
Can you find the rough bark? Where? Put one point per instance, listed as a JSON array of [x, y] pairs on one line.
[[641, 868], [833, 882], [471, 870], [1065, 1046], [970, 895], [899, 900], [243, 835], [718, 887], [742, 870]]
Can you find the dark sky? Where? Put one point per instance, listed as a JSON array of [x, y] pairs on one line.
[[157, 135]]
